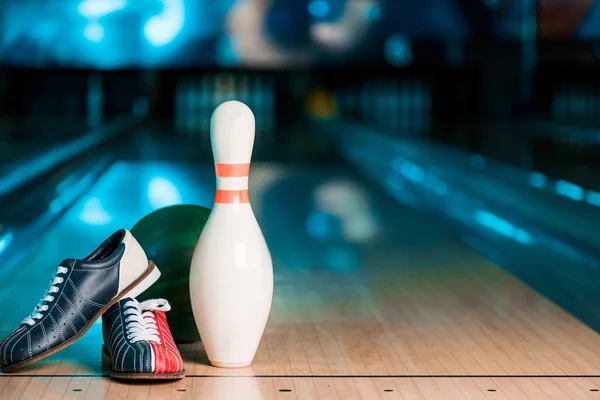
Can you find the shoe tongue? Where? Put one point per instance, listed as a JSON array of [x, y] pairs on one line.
[[124, 300]]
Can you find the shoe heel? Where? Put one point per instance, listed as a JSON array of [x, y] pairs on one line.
[[146, 283]]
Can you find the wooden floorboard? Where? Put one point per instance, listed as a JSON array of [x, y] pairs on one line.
[[466, 331]]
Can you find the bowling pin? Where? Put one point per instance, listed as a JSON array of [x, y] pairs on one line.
[[231, 273], [178, 106], [95, 100], [428, 109], [188, 107]]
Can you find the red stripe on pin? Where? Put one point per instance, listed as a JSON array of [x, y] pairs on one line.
[[232, 170], [232, 196]]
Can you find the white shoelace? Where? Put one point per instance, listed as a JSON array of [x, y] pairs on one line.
[[48, 298], [141, 324]]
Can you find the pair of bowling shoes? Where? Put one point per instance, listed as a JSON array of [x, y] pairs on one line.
[[137, 339]]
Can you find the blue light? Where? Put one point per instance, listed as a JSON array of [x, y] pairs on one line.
[[319, 8], [413, 172], [410, 170], [537, 180], [94, 32], [98, 8], [569, 190], [317, 226], [398, 50], [5, 241], [56, 205], [162, 193], [502, 226], [93, 213], [162, 29], [593, 198]]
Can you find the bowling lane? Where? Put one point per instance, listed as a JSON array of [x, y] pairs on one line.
[[364, 287]]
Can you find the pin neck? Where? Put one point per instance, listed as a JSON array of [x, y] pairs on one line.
[[231, 196], [232, 183]]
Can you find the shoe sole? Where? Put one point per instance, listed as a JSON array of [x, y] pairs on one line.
[[147, 274], [140, 375], [147, 376]]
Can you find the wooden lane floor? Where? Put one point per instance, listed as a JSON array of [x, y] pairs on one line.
[[458, 326], [415, 314]]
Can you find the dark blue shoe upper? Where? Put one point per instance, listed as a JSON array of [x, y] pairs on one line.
[[125, 355], [84, 291]]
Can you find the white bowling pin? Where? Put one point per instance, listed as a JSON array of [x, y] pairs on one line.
[[231, 274]]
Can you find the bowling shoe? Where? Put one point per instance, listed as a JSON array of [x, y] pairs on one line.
[[138, 342], [80, 292]]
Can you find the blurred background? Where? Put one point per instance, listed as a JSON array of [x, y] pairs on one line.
[[379, 123]]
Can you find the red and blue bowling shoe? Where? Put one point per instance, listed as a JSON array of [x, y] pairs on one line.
[[138, 341]]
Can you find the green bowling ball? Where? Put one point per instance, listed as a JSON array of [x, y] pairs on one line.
[[169, 236]]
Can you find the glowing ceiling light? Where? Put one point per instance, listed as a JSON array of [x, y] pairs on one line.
[[319, 8], [94, 32], [161, 29], [99, 8]]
